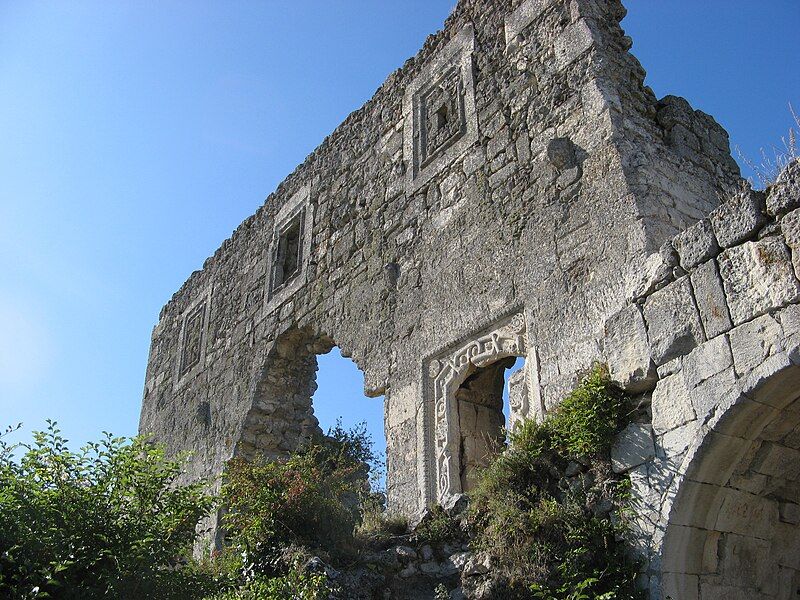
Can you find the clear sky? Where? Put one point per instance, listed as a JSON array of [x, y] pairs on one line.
[[136, 136]]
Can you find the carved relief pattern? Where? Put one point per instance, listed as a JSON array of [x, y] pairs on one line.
[[193, 338], [442, 118], [448, 372]]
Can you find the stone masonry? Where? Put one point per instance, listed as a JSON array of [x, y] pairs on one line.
[[515, 190], [713, 347]]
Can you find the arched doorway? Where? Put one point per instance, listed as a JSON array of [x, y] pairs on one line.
[[481, 419], [464, 420], [734, 525]]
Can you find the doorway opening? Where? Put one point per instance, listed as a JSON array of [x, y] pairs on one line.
[[485, 415]]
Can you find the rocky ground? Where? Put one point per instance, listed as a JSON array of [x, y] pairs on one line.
[[414, 567]]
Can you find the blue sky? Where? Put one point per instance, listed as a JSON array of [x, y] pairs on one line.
[[135, 136]]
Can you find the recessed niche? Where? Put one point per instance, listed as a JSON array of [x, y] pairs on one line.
[[440, 121]]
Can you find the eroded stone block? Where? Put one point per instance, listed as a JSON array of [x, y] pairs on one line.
[[738, 219], [758, 277], [753, 342], [710, 298], [790, 225], [776, 381], [705, 361], [628, 352], [696, 244], [672, 321], [633, 447], [784, 195], [576, 39], [671, 404]]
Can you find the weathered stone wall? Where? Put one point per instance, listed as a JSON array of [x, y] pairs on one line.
[[495, 198], [713, 344]]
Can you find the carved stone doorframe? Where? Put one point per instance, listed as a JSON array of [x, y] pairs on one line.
[[444, 372]]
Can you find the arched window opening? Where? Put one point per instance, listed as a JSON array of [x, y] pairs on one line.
[[339, 400]]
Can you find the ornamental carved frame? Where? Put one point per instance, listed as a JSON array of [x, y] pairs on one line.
[[456, 58], [443, 373]]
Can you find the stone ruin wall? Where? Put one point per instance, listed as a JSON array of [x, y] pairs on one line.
[[711, 343], [495, 198]]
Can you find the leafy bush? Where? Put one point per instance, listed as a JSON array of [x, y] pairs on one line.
[[588, 418], [314, 499], [295, 585], [107, 521], [437, 528], [551, 535]]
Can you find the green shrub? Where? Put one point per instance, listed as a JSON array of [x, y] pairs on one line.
[[295, 585], [549, 535], [313, 498], [437, 528], [588, 418], [107, 521]]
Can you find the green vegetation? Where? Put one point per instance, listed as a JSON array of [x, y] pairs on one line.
[[313, 500], [552, 536], [106, 521], [111, 520]]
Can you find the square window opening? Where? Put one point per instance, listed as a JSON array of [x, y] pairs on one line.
[[289, 253]]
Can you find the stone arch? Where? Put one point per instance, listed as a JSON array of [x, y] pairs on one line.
[[733, 525], [454, 375], [281, 416]]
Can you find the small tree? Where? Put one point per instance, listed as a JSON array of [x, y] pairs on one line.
[[106, 521]]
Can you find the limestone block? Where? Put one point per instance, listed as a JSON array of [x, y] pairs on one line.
[[786, 545], [654, 274], [672, 321], [776, 460], [710, 298], [697, 505], [790, 512], [750, 418], [744, 513], [721, 455], [738, 219], [758, 277], [671, 404], [627, 351], [633, 447], [722, 387], [776, 381], [679, 586], [670, 368], [784, 195], [790, 225], [715, 591], [789, 319], [705, 361], [688, 543], [576, 39], [674, 443], [523, 16], [696, 244], [753, 342], [745, 561]]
